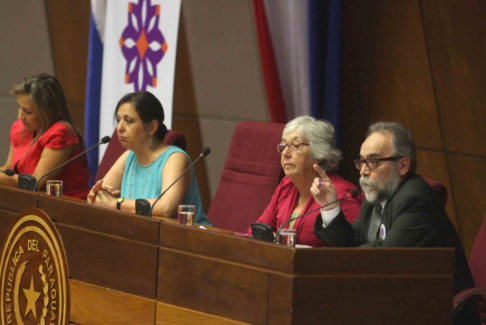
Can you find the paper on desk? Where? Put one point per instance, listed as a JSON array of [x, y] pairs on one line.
[[302, 246]]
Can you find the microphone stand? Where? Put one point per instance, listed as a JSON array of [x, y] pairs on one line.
[[143, 207], [28, 182]]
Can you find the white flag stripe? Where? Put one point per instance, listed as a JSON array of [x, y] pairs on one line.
[[113, 85], [288, 24]]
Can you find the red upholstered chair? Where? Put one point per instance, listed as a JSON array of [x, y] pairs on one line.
[[251, 173], [115, 149], [477, 264], [439, 188]]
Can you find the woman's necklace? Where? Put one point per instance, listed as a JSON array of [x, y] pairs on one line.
[[132, 177]]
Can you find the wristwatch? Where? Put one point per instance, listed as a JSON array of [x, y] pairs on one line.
[[119, 202]]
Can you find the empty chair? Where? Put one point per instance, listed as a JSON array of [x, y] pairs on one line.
[[439, 188], [251, 173], [115, 149], [477, 264]]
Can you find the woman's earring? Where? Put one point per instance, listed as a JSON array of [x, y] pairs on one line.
[[150, 142]]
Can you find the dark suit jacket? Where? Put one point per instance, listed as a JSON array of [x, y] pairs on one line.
[[413, 217]]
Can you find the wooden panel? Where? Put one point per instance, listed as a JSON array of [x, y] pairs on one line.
[[91, 304], [340, 300], [12, 201], [69, 27], [112, 262], [6, 223], [212, 286], [351, 261], [15, 200], [347, 169], [230, 247], [185, 112], [191, 129], [281, 289], [391, 64], [468, 176], [354, 119], [78, 213], [170, 314], [454, 32], [433, 164]]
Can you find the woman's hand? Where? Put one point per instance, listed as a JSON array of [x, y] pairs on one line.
[[99, 188], [105, 199], [322, 189]]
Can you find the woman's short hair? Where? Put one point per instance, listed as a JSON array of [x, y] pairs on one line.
[[403, 143], [320, 134], [148, 107], [47, 96]]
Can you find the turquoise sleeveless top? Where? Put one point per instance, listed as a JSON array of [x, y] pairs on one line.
[[145, 182]]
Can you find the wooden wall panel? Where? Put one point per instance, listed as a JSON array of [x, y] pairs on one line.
[[433, 165], [185, 114], [468, 175], [391, 66], [455, 35], [69, 28]]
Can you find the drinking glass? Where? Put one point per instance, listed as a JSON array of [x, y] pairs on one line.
[[287, 237], [54, 187], [186, 214]]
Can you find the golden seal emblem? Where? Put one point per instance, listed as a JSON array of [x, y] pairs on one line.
[[34, 273]]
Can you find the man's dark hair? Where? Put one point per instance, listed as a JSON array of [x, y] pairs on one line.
[[403, 143]]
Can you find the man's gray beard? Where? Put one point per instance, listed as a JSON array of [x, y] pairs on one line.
[[377, 192]]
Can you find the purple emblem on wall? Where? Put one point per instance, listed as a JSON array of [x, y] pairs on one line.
[[142, 44]]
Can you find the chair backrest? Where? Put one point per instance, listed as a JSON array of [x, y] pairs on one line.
[[115, 149], [251, 173], [477, 264], [439, 188]]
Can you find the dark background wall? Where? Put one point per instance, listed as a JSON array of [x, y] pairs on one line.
[[419, 62]]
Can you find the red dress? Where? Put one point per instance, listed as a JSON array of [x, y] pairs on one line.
[[60, 135], [285, 198]]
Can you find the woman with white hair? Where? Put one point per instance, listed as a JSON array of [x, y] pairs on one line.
[[305, 143]]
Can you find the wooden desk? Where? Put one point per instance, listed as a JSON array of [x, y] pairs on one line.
[[131, 269]]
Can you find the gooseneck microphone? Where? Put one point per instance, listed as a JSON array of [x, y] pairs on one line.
[[351, 193], [8, 172], [143, 207], [28, 182]]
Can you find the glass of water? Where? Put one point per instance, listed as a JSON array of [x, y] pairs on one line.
[[186, 214], [54, 187]]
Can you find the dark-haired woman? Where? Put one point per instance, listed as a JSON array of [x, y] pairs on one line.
[[149, 165], [44, 136]]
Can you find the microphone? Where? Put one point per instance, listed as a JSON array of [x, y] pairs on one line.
[[142, 206], [8, 172], [28, 182], [265, 232]]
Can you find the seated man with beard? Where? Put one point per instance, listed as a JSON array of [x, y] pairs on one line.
[[400, 210]]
